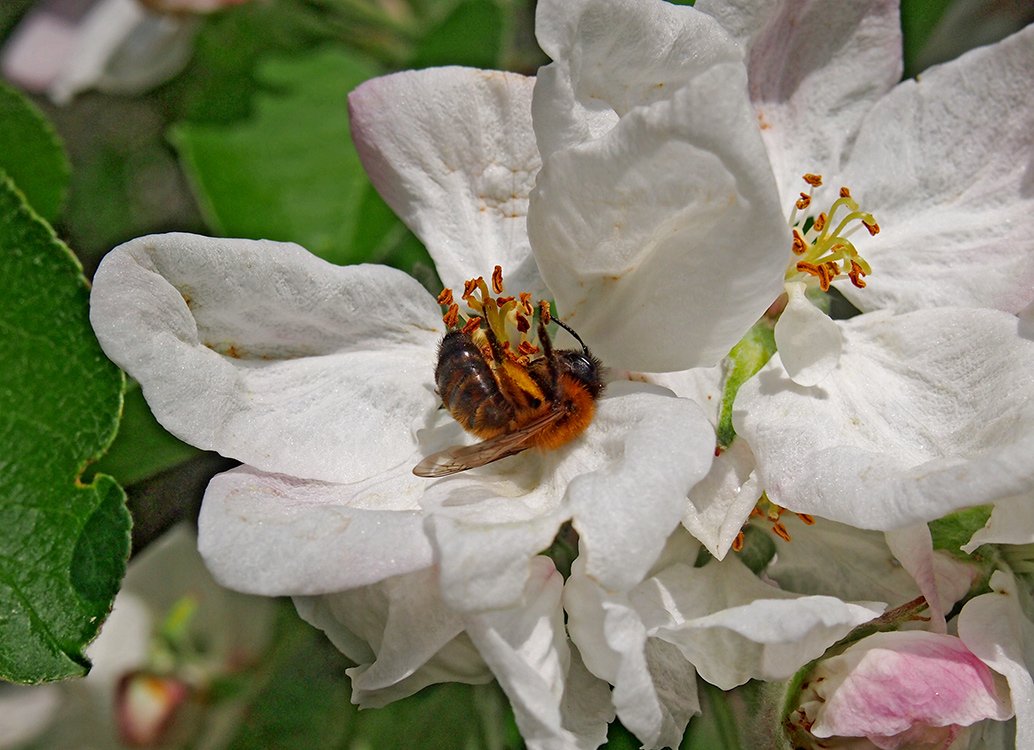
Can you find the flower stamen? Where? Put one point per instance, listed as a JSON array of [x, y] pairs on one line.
[[821, 246], [491, 315]]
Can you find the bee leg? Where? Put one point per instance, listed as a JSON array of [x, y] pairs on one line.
[[547, 354]]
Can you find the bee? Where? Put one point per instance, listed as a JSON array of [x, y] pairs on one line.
[[511, 402]]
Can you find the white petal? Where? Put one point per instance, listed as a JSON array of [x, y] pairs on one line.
[[1011, 522], [121, 47], [654, 686], [526, 648], [910, 426], [400, 633], [1025, 324], [994, 627], [956, 221], [733, 627], [856, 564], [815, 69], [650, 451], [720, 504], [623, 483], [277, 535], [700, 384], [267, 354], [25, 712], [452, 151], [942, 581], [655, 220], [808, 340]]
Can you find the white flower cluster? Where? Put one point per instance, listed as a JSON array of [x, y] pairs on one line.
[[649, 182]]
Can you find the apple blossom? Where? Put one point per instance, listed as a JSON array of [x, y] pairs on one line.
[[719, 621], [319, 378], [906, 689], [116, 46]]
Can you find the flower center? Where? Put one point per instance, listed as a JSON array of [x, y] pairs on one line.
[[767, 511], [508, 318], [821, 246]]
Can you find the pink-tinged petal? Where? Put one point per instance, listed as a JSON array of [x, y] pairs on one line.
[[557, 704], [400, 633], [995, 628], [623, 484], [892, 683], [278, 535], [720, 504], [453, 152], [734, 627], [910, 425], [815, 69], [1011, 522], [809, 342], [942, 581], [655, 220], [119, 47], [267, 354], [955, 220]]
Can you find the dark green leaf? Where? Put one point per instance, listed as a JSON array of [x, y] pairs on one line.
[[63, 544], [471, 35], [289, 172], [142, 448], [31, 153]]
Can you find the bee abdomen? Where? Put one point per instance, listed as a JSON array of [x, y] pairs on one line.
[[469, 389]]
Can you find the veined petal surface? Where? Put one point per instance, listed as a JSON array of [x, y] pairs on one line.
[[955, 209], [452, 151], [909, 427], [655, 219], [278, 535], [267, 354]]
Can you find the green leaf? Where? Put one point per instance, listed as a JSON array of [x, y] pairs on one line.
[[472, 34], [955, 529], [745, 359], [142, 448], [37, 163], [63, 544], [289, 172]]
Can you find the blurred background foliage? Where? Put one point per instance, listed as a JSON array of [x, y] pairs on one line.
[[251, 139]]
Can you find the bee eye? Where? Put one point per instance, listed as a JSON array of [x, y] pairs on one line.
[[580, 366]]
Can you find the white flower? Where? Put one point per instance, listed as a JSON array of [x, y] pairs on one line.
[[320, 379], [718, 620], [895, 416], [116, 46]]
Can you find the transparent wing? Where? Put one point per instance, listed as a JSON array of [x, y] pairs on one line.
[[462, 457]]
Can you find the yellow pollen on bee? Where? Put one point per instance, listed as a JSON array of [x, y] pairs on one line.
[[823, 252]]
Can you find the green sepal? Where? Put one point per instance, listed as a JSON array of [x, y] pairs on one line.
[[743, 362]]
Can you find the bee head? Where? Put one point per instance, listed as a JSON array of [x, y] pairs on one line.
[[583, 367]]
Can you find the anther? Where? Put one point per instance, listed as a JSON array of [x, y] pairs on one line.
[[544, 311], [872, 226], [523, 324], [806, 519], [803, 202], [472, 325], [781, 532], [529, 308], [856, 275], [445, 298], [844, 192], [820, 222], [799, 245], [526, 348], [451, 315], [815, 180], [737, 543], [503, 301], [469, 287], [497, 279]]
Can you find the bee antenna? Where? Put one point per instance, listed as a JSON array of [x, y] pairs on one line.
[[562, 324]]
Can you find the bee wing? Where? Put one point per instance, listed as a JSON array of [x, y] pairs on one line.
[[462, 457]]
